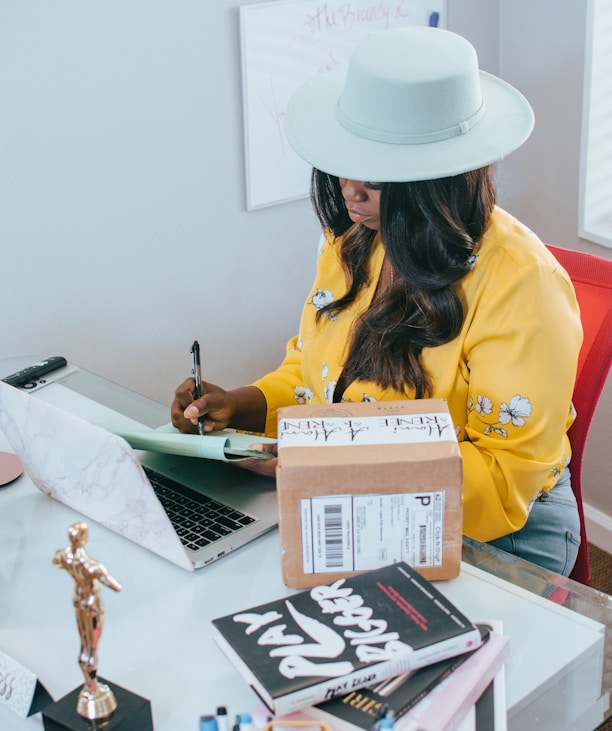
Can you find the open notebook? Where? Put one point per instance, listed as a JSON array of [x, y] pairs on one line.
[[142, 496], [226, 445]]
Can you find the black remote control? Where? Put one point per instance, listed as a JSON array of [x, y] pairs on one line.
[[27, 377]]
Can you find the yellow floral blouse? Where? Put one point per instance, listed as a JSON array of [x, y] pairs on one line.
[[507, 377]]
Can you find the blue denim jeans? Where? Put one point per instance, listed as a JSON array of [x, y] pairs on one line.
[[551, 535]]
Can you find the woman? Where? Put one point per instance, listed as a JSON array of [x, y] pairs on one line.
[[425, 288]]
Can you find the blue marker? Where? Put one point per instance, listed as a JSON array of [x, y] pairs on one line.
[[434, 18], [208, 723], [385, 719], [245, 722]]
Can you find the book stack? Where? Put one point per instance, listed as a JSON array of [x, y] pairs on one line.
[[383, 640], [466, 692]]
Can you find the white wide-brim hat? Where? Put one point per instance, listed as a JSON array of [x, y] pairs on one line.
[[412, 105]]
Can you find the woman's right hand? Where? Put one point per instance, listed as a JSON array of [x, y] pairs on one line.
[[216, 405]]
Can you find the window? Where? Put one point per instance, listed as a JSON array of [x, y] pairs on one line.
[[595, 215]]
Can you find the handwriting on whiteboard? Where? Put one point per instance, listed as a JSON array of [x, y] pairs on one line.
[[284, 44]]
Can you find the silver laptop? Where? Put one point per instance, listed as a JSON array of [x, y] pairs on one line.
[[190, 511]]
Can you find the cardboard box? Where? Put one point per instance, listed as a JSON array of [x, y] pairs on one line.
[[362, 485]]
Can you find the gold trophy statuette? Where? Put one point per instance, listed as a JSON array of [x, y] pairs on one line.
[[96, 700]]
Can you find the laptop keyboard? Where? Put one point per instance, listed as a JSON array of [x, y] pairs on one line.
[[197, 519]]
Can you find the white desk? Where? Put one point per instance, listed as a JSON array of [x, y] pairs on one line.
[[157, 638]]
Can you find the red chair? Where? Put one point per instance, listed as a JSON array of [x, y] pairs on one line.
[[592, 279]]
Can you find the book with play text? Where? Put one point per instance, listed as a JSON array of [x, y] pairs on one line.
[[325, 641]]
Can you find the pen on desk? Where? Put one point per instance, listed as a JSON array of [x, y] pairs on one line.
[[197, 374]]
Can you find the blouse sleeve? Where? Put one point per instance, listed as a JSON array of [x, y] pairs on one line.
[[521, 356]]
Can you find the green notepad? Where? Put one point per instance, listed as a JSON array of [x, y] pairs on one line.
[[226, 445]]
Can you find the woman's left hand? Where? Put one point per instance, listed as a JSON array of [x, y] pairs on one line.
[[265, 467]]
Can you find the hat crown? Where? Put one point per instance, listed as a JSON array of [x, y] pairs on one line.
[[411, 105], [411, 86]]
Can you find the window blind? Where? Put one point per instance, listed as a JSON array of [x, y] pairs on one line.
[[595, 215]]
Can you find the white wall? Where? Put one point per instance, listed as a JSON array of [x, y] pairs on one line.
[[122, 205], [542, 50]]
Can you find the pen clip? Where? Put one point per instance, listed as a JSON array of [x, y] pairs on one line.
[[196, 367]]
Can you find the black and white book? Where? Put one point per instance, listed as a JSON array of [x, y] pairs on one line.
[[325, 641]]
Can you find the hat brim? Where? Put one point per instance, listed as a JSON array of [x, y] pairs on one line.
[[318, 138]]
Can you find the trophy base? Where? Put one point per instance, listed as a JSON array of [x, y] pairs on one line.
[[98, 705], [133, 713]]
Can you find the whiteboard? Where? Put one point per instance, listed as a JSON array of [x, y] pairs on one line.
[[285, 43]]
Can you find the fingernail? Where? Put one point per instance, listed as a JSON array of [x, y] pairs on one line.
[[190, 411]]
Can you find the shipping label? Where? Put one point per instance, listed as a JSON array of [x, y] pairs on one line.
[[362, 532]]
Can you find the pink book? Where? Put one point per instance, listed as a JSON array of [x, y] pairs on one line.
[[444, 708]]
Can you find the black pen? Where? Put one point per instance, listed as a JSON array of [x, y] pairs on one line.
[[197, 374]]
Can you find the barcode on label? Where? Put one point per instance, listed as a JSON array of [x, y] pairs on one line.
[[422, 544], [332, 527]]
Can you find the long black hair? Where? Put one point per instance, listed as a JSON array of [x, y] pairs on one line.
[[429, 230]]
